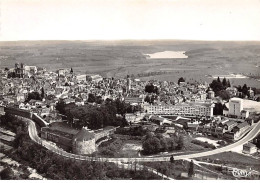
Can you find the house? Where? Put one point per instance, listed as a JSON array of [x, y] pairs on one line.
[[82, 77], [228, 126], [244, 114], [159, 120], [20, 97], [94, 78], [249, 148], [240, 129], [232, 91], [130, 117], [193, 126], [133, 100]]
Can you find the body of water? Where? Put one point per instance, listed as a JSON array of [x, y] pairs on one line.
[[167, 55]]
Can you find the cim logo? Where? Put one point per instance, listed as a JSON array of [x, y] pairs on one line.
[[238, 173]]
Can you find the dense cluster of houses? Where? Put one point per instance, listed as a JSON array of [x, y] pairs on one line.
[[72, 88], [226, 128], [183, 99]]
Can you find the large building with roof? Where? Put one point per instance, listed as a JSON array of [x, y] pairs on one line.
[[77, 141], [84, 142], [189, 108], [241, 108]]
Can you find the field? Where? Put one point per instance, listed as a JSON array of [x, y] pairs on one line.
[[234, 160], [119, 58]]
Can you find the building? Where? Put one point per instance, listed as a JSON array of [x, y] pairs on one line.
[[130, 117], [84, 142], [229, 125], [78, 141], [19, 70], [249, 148], [59, 133], [94, 78], [191, 108], [240, 129], [134, 100], [235, 109], [251, 93], [211, 94], [129, 82], [232, 91], [82, 77], [63, 72], [30, 70]]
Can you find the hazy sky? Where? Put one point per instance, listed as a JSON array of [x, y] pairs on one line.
[[130, 19]]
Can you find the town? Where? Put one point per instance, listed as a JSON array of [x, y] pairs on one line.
[[89, 116]]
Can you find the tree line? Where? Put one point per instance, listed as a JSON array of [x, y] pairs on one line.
[[219, 87], [153, 144], [94, 117]]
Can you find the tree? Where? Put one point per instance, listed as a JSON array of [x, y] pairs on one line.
[[7, 174], [239, 88], [99, 100], [223, 94], [218, 109], [172, 159], [71, 70], [180, 142], [218, 80], [148, 99], [150, 88], [60, 106], [42, 93], [91, 98], [181, 79], [191, 169], [245, 89], [151, 145], [228, 83], [34, 96], [216, 86], [224, 82]]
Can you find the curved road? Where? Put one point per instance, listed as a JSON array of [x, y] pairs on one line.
[[51, 146]]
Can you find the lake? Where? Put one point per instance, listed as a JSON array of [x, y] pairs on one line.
[[167, 54]]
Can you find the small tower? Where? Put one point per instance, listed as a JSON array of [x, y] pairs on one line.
[[22, 70], [16, 69], [128, 84], [211, 94]]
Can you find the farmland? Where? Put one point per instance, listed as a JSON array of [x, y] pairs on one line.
[[119, 58]]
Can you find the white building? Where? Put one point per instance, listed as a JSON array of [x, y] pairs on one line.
[[63, 72], [81, 77], [191, 108], [94, 77], [211, 94], [30, 70], [236, 109]]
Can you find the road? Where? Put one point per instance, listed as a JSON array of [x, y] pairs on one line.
[[52, 147], [34, 136]]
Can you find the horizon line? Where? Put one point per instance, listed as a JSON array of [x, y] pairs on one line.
[[132, 40]]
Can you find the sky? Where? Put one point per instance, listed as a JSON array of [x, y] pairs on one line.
[[129, 19]]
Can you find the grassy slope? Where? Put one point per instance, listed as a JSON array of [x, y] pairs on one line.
[[235, 160]]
